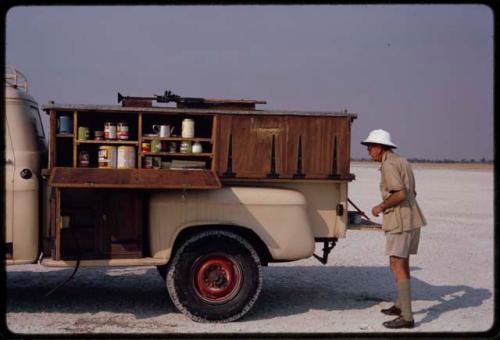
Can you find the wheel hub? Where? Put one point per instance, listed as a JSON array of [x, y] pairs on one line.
[[216, 278]]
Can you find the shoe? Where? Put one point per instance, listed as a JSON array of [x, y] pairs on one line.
[[391, 311], [399, 323]]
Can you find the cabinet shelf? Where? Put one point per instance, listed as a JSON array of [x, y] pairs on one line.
[[119, 142], [64, 135], [177, 154], [178, 139]]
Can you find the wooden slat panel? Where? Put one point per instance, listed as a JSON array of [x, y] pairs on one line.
[[252, 144], [57, 225], [52, 139], [134, 178]]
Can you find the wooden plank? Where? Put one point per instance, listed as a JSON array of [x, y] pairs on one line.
[[252, 145], [124, 222], [57, 224], [179, 139], [107, 142], [176, 154], [222, 137], [75, 133], [213, 141], [52, 139], [175, 111], [139, 139], [246, 181], [134, 178]]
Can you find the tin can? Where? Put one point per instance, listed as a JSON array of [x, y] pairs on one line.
[[126, 157], [98, 135], [146, 147], [122, 131], [110, 131], [83, 159], [156, 145], [172, 147], [148, 162], [107, 157], [65, 124], [156, 162], [83, 133], [185, 147]]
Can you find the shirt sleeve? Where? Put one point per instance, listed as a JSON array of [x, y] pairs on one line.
[[392, 177]]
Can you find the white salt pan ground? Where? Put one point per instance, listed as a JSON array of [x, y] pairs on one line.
[[452, 277]]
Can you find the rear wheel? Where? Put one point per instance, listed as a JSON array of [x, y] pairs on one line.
[[215, 276]]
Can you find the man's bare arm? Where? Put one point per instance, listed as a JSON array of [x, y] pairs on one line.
[[393, 200]]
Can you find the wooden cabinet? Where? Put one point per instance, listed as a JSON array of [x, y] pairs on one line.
[[99, 213], [164, 168], [99, 224]]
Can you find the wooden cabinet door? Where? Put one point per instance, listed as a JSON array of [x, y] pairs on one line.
[[251, 145], [325, 145], [119, 230], [124, 224]]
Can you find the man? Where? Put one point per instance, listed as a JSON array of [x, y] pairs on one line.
[[402, 219]]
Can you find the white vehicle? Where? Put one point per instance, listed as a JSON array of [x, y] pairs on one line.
[[125, 186]]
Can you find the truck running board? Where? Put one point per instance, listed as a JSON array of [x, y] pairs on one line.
[[145, 261]]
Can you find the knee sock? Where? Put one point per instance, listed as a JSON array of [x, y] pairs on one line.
[[404, 295], [398, 302]]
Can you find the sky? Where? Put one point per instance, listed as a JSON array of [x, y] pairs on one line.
[[422, 72]]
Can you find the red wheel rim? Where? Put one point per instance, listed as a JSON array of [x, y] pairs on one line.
[[216, 278]]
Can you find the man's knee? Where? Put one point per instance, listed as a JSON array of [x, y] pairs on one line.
[[398, 263]]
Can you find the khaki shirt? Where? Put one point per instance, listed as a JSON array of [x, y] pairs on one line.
[[396, 174]]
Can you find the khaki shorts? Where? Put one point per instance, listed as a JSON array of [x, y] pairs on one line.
[[402, 244]]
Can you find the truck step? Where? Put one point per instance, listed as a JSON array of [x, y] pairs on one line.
[[145, 261]]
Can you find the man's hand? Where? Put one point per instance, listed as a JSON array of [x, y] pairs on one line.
[[376, 210]]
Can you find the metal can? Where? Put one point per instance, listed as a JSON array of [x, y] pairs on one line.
[[110, 131], [98, 135], [107, 157], [148, 162], [83, 159], [146, 147], [122, 131], [185, 147], [126, 157], [156, 162], [172, 148]]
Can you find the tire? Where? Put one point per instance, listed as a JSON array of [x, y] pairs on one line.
[[215, 276]]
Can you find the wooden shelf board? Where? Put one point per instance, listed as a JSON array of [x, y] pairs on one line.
[[122, 142], [178, 139], [64, 135], [177, 154]]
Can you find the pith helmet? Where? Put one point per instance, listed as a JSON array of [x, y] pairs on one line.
[[379, 136]]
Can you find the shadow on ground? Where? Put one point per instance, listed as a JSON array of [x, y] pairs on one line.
[[287, 290]]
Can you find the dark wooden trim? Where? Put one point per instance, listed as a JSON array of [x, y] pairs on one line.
[[229, 171], [134, 178], [299, 173]]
